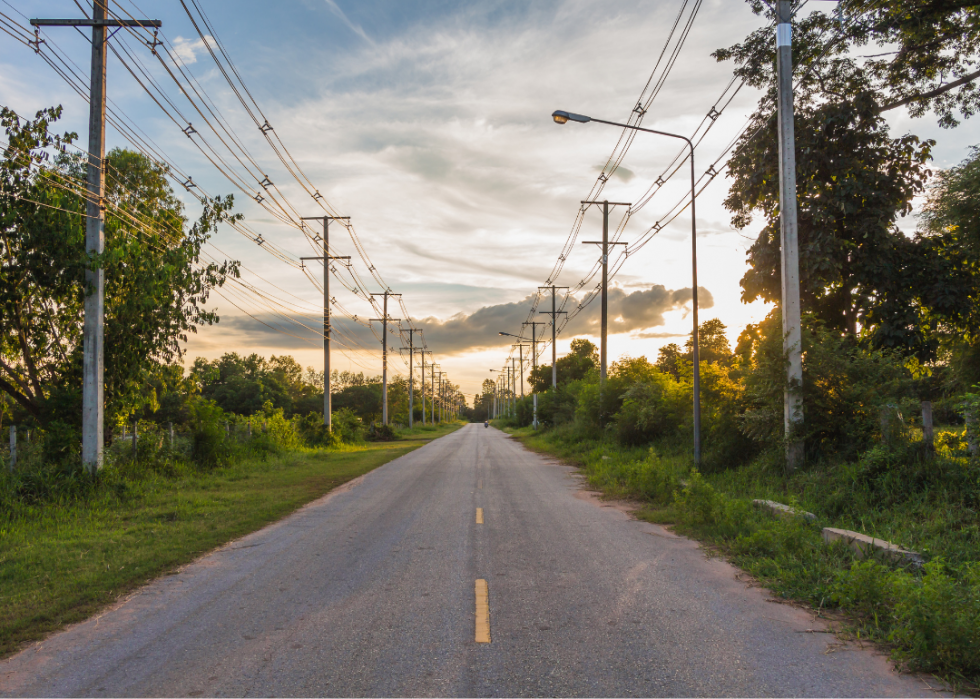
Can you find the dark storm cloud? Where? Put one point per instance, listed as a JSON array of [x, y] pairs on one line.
[[628, 312]]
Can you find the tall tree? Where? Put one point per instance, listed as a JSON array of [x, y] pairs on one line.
[[156, 283], [853, 179]]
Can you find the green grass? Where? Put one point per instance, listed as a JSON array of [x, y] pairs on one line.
[[929, 617], [60, 563]]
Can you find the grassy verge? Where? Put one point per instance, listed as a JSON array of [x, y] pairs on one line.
[[929, 618], [59, 563]]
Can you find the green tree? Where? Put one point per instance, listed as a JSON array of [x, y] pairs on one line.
[[582, 358], [853, 179], [713, 346], [950, 233], [156, 284], [929, 62], [669, 359]]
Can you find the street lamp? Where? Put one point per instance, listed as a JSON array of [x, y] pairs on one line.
[[561, 117]]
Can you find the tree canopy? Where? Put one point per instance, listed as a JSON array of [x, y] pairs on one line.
[[156, 284]]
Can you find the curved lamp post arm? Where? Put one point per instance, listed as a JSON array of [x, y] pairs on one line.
[[562, 117]]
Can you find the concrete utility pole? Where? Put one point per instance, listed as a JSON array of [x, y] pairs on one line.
[[432, 387], [534, 362], [384, 354], [604, 243], [411, 377], [438, 396], [513, 383], [496, 398], [520, 349], [93, 331], [423, 353], [554, 333], [327, 412], [789, 239]]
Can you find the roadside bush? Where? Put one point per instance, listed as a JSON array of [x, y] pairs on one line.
[[653, 409], [210, 445], [556, 407], [37, 481], [844, 385], [347, 426], [937, 619], [280, 432], [652, 477], [313, 432], [61, 442], [381, 433], [525, 411]]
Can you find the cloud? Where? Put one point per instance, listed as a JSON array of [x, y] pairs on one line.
[[622, 172], [628, 312], [356, 28], [186, 50]]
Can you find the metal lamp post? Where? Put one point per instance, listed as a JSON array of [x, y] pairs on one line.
[[561, 117]]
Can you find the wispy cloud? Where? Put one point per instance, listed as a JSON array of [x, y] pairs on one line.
[[356, 28]]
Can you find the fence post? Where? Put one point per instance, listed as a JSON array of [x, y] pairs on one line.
[[13, 446], [171, 436], [135, 430], [250, 428], [265, 426], [124, 431], [227, 429], [927, 435]]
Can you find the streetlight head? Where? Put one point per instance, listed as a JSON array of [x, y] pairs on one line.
[[561, 117]]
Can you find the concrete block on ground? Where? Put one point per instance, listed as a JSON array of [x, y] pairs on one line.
[[863, 545], [781, 510]]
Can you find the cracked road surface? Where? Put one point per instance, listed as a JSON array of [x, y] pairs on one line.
[[369, 591]]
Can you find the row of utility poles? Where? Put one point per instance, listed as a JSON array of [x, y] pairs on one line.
[[93, 333], [789, 262], [94, 304]]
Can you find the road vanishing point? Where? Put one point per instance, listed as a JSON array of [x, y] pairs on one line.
[[469, 567]]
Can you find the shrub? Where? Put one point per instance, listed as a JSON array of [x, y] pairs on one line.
[[381, 433], [209, 442], [347, 426], [313, 432], [937, 619], [652, 409]]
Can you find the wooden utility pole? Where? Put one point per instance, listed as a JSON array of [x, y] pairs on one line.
[[384, 353], [327, 411], [554, 333], [789, 247], [604, 243], [93, 330]]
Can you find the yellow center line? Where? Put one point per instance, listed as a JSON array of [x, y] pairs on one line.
[[480, 484], [479, 515], [482, 612]]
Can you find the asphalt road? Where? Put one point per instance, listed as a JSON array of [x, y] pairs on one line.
[[370, 591]]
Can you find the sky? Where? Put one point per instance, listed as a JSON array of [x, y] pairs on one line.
[[428, 123]]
